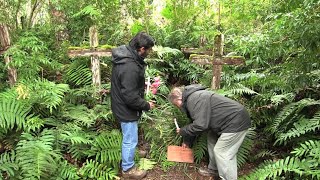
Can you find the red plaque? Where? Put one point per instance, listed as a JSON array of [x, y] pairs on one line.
[[180, 154]]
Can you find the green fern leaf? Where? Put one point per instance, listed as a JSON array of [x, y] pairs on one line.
[[146, 164]]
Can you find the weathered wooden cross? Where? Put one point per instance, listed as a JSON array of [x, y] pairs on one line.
[[94, 53], [217, 60]]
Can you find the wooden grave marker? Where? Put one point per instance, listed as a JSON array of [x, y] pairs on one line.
[[216, 58], [94, 52]]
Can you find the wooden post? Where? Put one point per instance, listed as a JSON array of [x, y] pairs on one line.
[[95, 61], [5, 44], [217, 69]]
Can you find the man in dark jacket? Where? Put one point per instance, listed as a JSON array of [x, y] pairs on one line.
[[127, 96], [225, 120]]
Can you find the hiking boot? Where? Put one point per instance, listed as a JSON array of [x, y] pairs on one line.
[[204, 171], [134, 173]]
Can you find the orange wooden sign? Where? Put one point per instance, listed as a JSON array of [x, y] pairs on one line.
[[180, 154]]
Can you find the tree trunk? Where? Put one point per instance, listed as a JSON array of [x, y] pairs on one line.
[[5, 44]]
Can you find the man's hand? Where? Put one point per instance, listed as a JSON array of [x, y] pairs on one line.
[[184, 145], [151, 104], [178, 130]]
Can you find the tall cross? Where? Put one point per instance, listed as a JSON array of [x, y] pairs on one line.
[[94, 53], [217, 60]]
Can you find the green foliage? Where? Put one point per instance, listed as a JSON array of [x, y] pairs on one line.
[[95, 170], [290, 119], [46, 93], [13, 114], [200, 148], [8, 164], [246, 147], [146, 164], [107, 148], [68, 171], [304, 163], [36, 156], [78, 73], [80, 115]]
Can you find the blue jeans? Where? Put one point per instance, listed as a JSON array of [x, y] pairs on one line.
[[129, 143]]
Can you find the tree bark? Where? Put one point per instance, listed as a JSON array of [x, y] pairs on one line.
[[5, 44]]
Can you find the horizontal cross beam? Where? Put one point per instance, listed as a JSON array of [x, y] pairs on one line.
[[224, 60], [196, 51], [89, 52]]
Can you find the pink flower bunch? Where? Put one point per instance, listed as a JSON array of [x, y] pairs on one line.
[[155, 85]]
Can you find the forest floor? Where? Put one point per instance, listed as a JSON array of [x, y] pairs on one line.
[[186, 172]]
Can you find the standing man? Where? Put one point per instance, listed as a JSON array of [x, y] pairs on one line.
[[226, 121], [127, 96]]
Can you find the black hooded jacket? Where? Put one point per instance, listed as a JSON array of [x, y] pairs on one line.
[[210, 111], [127, 84]]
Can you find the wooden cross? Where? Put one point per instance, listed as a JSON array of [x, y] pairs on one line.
[[217, 60], [94, 53]]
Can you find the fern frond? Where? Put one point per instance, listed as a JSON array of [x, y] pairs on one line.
[[95, 170], [274, 170], [200, 148], [246, 147], [279, 99], [13, 113], [8, 164], [81, 115], [68, 171], [146, 164], [302, 127], [161, 51], [79, 74], [240, 90], [290, 114], [36, 156], [107, 147], [304, 164], [265, 152], [75, 137], [308, 149]]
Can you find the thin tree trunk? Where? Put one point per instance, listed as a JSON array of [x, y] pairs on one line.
[[5, 43]]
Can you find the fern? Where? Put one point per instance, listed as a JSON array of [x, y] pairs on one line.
[[68, 171], [239, 90], [81, 115], [107, 148], [162, 51], [302, 127], [200, 148], [75, 140], [246, 147], [13, 114], [279, 99], [8, 164], [36, 156], [308, 149], [146, 164], [304, 164], [79, 74], [48, 93], [290, 114], [95, 170], [264, 153]]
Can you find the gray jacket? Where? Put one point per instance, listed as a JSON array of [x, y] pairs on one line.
[[210, 111]]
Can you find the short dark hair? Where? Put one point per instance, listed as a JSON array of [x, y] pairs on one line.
[[140, 40]]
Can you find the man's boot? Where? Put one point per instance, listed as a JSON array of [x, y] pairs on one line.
[[134, 173], [204, 171]]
